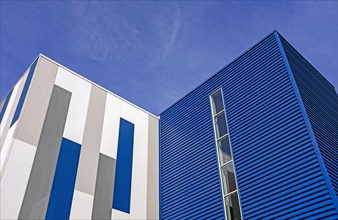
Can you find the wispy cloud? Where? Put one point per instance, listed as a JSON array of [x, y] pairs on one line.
[[168, 44]]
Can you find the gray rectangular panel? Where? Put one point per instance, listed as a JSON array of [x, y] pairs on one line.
[[37, 194], [103, 197], [153, 170], [2, 103], [86, 174], [34, 111]]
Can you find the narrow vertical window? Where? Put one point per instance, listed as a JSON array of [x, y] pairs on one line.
[[226, 167], [124, 164], [60, 200]]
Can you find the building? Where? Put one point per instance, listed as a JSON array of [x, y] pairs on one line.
[[71, 149], [257, 140]]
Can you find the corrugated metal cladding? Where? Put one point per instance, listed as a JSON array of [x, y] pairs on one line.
[[321, 104], [278, 172]]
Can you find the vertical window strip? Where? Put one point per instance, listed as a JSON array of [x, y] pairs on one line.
[[60, 201], [124, 164], [223, 148]]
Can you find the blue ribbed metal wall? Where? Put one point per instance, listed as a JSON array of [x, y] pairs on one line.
[[278, 173], [321, 104]]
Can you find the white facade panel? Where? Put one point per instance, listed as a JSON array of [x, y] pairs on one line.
[[77, 112], [138, 208], [127, 112], [116, 214], [6, 149], [65, 79], [111, 125], [82, 205], [5, 118], [15, 179], [17, 157]]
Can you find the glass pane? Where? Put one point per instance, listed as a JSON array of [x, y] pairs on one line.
[[224, 150], [232, 207], [228, 176], [217, 102], [221, 125]]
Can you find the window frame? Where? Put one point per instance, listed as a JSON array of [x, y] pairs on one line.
[[217, 139]]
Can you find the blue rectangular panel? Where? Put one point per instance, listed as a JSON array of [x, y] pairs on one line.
[[24, 92], [124, 162], [4, 107], [61, 196]]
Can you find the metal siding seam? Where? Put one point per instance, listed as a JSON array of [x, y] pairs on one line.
[[307, 122], [320, 104]]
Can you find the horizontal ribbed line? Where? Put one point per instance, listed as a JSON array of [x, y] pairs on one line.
[[321, 103], [257, 203], [309, 84], [277, 160], [272, 117], [325, 212], [272, 153], [257, 109], [184, 182], [310, 97], [260, 139], [184, 203], [292, 52], [274, 176], [185, 142], [288, 202], [301, 206], [197, 208], [244, 82], [180, 155]]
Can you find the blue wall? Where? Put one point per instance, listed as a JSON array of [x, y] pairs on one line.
[[321, 104], [278, 172]]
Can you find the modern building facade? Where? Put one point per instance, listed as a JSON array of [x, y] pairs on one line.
[[257, 140], [70, 149]]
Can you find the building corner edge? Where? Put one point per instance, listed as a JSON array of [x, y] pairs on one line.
[[307, 121]]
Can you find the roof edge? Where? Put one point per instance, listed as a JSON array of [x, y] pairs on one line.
[[108, 91]]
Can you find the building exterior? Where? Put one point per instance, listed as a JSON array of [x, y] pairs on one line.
[[257, 140], [70, 149]]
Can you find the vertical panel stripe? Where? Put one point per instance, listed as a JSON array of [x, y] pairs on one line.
[[89, 158], [24, 92], [153, 170], [36, 103], [60, 200], [11, 107], [37, 194], [124, 164], [104, 188], [4, 105]]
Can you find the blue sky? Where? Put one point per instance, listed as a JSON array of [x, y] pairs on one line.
[[120, 45]]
